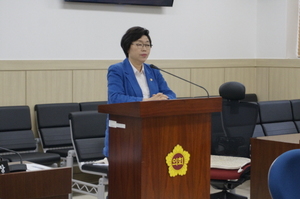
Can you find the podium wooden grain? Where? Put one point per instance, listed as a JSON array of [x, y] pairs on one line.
[[137, 160], [43, 184]]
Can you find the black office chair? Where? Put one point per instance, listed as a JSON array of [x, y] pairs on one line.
[[233, 146], [91, 106], [277, 117], [52, 121], [296, 113], [87, 134], [16, 134]]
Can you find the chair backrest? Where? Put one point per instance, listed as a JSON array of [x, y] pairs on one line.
[[296, 113], [239, 120], [88, 133], [250, 97], [15, 129], [216, 132], [91, 106], [258, 130], [284, 175], [276, 117], [53, 123]]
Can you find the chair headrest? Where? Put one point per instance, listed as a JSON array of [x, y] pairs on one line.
[[232, 91]]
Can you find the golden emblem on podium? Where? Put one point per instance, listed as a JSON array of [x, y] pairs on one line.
[[177, 161]]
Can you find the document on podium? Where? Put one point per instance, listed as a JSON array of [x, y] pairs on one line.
[[36, 167]]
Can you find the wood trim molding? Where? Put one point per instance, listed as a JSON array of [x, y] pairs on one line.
[[27, 65], [104, 64]]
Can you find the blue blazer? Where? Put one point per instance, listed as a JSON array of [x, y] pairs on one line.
[[123, 87]]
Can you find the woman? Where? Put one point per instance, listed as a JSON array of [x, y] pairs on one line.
[[133, 80]]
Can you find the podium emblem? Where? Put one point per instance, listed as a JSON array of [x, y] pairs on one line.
[[177, 161]]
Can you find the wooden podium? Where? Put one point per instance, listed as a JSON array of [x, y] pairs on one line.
[[147, 134]]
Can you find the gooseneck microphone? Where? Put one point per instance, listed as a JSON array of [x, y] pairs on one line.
[[16, 167], [155, 67]]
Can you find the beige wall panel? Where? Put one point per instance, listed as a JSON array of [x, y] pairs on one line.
[[12, 88], [279, 83], [162, 63], [47, 65], [262, 84], [202, 63], [245, 75], [284, 83], [180, 87], [294, 83], [89, 85], [209, 78], [49, 87], [281, 63]]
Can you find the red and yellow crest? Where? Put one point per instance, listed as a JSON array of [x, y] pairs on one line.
[[177, 161]]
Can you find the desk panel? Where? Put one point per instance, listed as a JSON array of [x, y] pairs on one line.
[[50, 184], [264, 150]]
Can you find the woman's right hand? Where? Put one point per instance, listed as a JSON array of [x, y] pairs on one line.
[[158, 96]]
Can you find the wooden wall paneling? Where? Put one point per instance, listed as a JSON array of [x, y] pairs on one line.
[[12, 88], [273, 79], [209, 78], [89, 85], [39, 65], [202, 63], [279, 83], [262, 84], [47, 87], [294, 83], [244, 75]]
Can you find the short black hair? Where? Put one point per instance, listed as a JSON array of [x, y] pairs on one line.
[[131, 35]]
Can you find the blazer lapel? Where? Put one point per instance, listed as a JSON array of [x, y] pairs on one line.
[[131, 78], [150, 80]]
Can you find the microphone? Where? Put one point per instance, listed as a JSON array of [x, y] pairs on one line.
[[155, 67], [16, 167]]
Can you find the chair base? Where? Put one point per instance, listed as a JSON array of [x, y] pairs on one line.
[[226, 195]]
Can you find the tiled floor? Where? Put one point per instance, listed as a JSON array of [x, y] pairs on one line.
[[243, 189]]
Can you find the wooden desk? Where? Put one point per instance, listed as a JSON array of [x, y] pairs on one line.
[[54, 183], [264, 150]]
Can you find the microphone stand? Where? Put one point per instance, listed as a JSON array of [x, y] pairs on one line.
[[155, 67], [16, 167]]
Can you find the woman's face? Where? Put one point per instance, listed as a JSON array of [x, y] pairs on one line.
[[139, 50]]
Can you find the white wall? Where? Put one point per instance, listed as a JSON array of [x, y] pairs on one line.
[[191, 29], [277, 22]]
